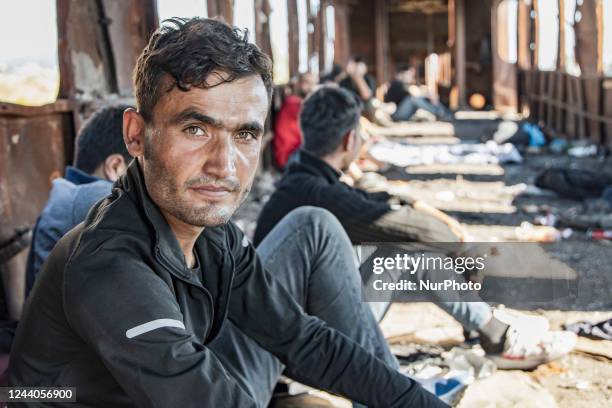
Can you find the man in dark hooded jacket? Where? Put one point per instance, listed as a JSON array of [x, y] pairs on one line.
[[157, 299]]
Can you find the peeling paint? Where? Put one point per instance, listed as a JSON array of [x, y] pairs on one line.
[[89, 78]]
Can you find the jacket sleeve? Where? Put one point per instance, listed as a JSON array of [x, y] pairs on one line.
[[139, 334], [368, 220], [379, 196], [321, 356]]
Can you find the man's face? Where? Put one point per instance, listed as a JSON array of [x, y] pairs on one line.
[[308, 83], [408, 76], [202, 147]]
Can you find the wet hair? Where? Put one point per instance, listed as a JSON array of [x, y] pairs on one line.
[[187, 52], [327, 115], [100, 136]]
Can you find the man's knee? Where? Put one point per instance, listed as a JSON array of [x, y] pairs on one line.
[[317, 217], [321, 226]]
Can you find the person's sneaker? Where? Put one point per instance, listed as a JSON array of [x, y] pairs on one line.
[[531, 323], [528, 342]]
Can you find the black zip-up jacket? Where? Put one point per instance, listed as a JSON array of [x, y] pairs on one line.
[[115, 313], [366, 217]]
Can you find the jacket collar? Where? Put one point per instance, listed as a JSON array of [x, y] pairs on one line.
[[78, 177], [307, 162], [167, 249]]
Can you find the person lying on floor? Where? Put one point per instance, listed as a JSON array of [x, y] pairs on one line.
[[330, 125], [157, 299]]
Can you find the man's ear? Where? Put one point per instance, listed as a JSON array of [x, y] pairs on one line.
[[349, 140], [133, 132], [114, 167]]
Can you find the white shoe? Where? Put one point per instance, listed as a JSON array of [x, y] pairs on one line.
[[529, 343], [530, 323]]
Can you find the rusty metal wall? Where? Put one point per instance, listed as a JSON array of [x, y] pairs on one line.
[[98, 43], [34, 146]]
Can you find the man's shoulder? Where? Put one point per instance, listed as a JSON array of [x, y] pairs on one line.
[[113, 230]]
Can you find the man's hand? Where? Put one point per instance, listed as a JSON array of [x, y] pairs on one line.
[[452, 223], [351, 67]]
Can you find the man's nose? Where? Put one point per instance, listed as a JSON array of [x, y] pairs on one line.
[[221, 159]]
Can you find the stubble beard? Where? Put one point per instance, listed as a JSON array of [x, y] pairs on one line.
[[171, 198]]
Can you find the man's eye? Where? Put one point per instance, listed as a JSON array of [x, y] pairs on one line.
[[194, 131], [248, 136]]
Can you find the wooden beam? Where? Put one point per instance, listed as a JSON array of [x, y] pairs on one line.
[[293, 33], [561, 56], [451, 24], [600, 32], [381, 30], [313, 35], [523, 35], [262, 26], [322, 22], [460, 41], [342, 35], [586, 37], [221, 8]]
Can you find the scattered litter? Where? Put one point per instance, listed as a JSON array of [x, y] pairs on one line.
[[447, 389], [599, 234], [583, 385], [530, 208], [583, 151], [549, 220], [528, 232], [449, 374], [536, 136], [579, 385], [402, 155], [558, 145], [598, 331]]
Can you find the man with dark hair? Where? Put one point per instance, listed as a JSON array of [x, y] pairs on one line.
[[337, 113], [99, 146], [100, 159], [330, 124], [157, 299], [357, 79]]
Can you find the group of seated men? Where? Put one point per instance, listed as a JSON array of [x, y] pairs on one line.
[[142, 292], [403, 97]]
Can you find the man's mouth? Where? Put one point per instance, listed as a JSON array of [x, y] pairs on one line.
[[212, 193]]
